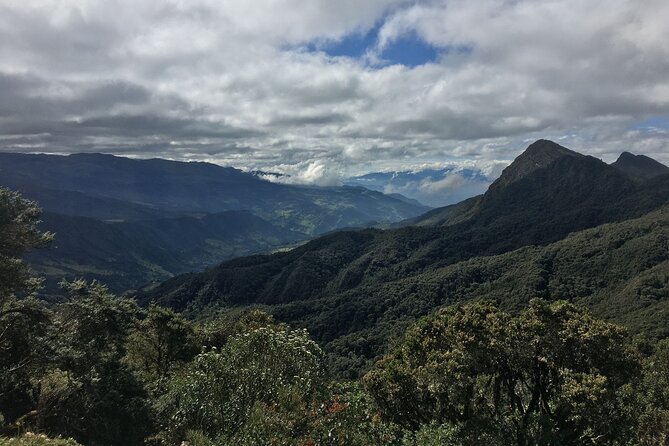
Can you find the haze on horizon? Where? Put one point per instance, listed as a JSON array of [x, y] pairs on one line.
[[324, 90]]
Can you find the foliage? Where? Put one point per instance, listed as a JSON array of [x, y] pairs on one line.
[[215, 330], [220, 391], [653, 398], [23, 321], [550, 375], [160, 343], [18, 225], [89, 393]]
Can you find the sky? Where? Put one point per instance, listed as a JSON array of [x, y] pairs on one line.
[[322, 90]]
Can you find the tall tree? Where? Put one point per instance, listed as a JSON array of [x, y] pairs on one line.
[[89, 392], [23, 320]]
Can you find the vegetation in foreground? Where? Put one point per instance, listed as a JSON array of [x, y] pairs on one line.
[[103, 371]]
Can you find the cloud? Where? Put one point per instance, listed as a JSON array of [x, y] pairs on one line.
[[448, 183], [314, 173], [245, 83]]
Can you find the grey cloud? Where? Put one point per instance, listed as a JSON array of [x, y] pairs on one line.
[[167, 127], [318, 119]]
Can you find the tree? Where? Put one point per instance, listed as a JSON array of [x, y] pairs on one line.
[[89, 392], [219, 393], [19, 233], [160, 342], [550, 375], [23, 320]]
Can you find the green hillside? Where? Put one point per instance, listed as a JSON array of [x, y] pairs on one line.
[[355, 290]]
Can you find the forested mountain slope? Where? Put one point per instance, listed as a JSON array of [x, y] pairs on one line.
[[619, 270], [640, 166], [544, 195], [128, 254], [353, 290]]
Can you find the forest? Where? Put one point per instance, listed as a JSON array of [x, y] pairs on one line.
[[99, 369]]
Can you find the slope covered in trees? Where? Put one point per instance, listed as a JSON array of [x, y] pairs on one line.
[[640, 167], [534, 202], [353, 290], [130, 254]]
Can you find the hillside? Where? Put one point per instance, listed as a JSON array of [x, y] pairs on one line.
[[352, 289], [640, 167], [128, 254], [575, 168], [619, 270], [539, 206], [130, 222]]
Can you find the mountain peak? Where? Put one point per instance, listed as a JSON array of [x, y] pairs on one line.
[[538, 155], [544, 150], [640, 167], [626, 156]]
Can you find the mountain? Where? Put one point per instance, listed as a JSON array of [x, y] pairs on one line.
[[161, 187], [539, 155], [130, 222], [435, 187], [549, 183], [640, 166], [343, 282]]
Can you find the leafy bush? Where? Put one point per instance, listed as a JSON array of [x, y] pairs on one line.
[[264, 370]]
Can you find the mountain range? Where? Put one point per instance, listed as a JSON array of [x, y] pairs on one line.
[[129, 221], [529, 235], [434, 187]]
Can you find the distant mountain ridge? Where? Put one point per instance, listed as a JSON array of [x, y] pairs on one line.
[[538, 155], [586, 180], [196, 187], [156, 218], [433, 186]]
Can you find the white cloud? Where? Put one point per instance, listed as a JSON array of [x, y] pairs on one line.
[[450, 182], [314, 172]]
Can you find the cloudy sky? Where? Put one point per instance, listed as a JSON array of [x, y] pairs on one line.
[[324, 89]]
